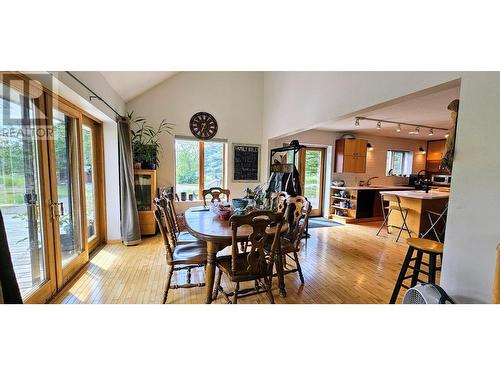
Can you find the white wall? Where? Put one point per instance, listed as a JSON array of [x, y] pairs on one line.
[[234, 98], [473, 228], [299, 100]]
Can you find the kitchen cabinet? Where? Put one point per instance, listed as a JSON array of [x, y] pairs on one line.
[[358, 203], [350, 155], [435, 151]]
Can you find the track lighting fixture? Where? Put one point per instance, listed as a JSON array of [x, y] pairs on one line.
[[369, 147], [421, 150], [415, 132]]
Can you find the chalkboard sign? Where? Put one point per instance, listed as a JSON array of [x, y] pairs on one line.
[[246, 162]]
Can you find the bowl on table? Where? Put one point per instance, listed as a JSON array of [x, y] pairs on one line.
[[239, 203]]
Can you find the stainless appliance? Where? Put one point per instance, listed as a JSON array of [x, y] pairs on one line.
[[441, 179]]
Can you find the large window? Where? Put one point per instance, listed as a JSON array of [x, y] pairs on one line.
[[399, 163], [198, 166]]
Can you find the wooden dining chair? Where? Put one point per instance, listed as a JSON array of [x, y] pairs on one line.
[[279, 201], [183, 236], [215, 193], [299, 209], [179, 256], [256, 264]]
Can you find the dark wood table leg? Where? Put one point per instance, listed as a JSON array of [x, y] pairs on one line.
[[210, 271], [280, 272]]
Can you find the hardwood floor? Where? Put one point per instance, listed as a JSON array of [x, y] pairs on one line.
[[343, 264]]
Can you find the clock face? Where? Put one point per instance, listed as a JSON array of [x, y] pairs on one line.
[[203, 125]]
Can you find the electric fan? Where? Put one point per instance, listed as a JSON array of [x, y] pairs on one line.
[[426, 294]]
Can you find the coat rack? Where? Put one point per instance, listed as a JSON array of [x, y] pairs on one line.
[[289, 168]]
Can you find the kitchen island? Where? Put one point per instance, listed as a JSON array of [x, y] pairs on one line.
[[418, 202], [353, 204]]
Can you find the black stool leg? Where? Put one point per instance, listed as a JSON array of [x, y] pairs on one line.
[[432, 268], [402, 273], [416, 271]]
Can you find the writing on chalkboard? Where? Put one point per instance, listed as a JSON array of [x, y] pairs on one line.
[[246, 160]]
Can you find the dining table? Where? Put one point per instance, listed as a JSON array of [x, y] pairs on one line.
[[217, 233]]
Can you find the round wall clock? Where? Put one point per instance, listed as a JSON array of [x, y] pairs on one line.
[[203, 125]]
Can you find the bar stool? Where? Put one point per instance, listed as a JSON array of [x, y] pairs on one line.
[[434, 219], [394, 205], [421, 246]]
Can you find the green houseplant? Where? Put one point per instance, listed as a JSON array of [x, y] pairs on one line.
[[146, 146]]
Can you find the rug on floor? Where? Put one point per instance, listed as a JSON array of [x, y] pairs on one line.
[[321, 222]]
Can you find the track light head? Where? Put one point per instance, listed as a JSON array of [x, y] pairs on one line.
[[398, 129], [431, 132], [447, 135], [415, 132], [379, 125], [421, 150], [356, 123], [369, 147]]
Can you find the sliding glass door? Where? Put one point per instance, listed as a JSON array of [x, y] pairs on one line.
[[23, 190], [66, 190], [50, 198]]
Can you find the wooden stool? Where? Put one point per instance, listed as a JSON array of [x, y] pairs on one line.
[[421, 246]]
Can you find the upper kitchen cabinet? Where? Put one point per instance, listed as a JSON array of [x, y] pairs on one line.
[[435, 151], [350, 155]]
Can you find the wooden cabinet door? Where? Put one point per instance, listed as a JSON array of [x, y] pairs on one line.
[[435, 149], [350, 156], [359, 165], [360, 147], [350, 146]]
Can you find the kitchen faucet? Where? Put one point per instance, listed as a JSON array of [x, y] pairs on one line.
[[367, 183]]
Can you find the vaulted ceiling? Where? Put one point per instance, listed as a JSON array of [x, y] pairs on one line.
[[132, 84]]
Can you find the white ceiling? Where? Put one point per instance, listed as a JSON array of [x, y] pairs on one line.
[[131, 84], [430, 110]]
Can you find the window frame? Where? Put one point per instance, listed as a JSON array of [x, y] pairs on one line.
[[201, 162], [405, 168]]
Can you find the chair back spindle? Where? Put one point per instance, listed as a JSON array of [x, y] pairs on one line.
[[260, 262], [299, 209], [215, 193], [164, 234]]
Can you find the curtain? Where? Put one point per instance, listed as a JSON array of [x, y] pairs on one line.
[[130, 229], [9, 289]]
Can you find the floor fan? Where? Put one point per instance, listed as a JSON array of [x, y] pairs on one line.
[[427, 294]]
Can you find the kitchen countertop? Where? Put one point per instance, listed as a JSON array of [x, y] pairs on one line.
[[374, 187], [420, 194]]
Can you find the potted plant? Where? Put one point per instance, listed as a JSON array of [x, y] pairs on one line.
[[145, 139]]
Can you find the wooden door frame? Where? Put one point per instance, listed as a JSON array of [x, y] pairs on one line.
[[66, 273], [99, 191], [21, 83], [302, 155]]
